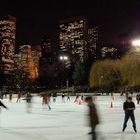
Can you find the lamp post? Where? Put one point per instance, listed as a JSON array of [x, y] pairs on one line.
[[63, 58], [136, 44]]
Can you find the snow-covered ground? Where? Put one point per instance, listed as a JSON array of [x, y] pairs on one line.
[[66, 121]]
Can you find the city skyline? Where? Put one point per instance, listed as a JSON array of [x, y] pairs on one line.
[[38, 19]]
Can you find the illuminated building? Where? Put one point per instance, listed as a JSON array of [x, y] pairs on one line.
[[28, 60], [93, 42], [7, 44], [77, 39], [73, 36], [36, 55], [109, 51]]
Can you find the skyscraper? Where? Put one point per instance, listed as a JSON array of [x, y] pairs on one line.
[[7, 44], [77, 39], [73, 36], [26, 61], [7, 47], [93, 42]]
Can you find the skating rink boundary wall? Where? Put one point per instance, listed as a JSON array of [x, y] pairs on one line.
[[75, 94]]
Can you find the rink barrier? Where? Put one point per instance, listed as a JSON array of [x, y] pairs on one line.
[[95, 95], [6, 96]]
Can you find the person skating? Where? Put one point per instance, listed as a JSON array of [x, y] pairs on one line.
[[10, 96], [28, 102], [82, 97], [2, 105], [76, 98], [18, 97], [129, 108], [54, 97], [68, 97], [47, 100], [94, 119], [138, 98], [63, 97]]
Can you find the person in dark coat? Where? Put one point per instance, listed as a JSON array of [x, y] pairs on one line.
[[54, 97], [28, 98], [28, 102], [129, 107], [63, 97], [94, 119]]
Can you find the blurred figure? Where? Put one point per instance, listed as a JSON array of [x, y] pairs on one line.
[[18, 96], [10, 96], [29, 102], [0, 94], [129, 108], [2, 105], [54, 97], [76, 98], [46, 100], [94, 119], [68, 97], [63, 97], [82, 97], [127, 94], [138, 98], [49, 95]]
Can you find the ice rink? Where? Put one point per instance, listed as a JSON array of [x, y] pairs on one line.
[[66, 121]]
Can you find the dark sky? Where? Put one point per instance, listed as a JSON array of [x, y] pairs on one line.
[[38, 18]]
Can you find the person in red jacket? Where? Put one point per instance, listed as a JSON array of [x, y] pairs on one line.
[[46, 100]]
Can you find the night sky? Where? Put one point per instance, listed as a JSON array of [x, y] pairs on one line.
[[40, 18]]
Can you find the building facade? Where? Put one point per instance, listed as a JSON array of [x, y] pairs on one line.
[[73, 37], [28, 60], [77, 39], [93, 42], [7, 48], [7, 44]]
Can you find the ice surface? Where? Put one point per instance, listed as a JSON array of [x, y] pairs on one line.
[[66, 121]]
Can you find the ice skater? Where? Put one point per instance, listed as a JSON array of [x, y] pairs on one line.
[[63, 98], [129, 108], [68, 97], [2, 105], [18, 97], [28, 102], [94, 119], [76, 98], [10, 96], [138, 98], [82, 98], [54, 97], [46, 100]]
